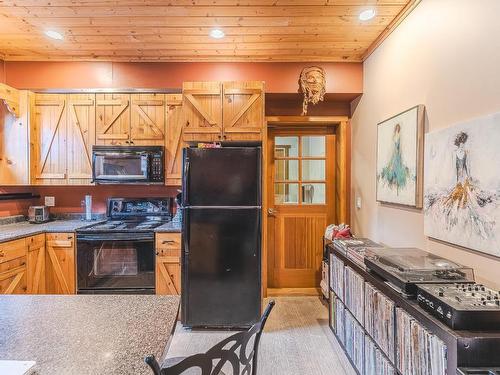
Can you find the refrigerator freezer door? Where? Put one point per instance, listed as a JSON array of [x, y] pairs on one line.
[[221, 267], [228, 176]]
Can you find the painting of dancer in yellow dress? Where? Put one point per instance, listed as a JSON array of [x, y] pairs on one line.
[[398, 158], [462, 185]]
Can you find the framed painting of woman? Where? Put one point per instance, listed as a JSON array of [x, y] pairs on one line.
[[462, 184], [400, 158]]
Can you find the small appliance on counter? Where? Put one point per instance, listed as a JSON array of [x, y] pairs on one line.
[[404, 268], [38, 214]]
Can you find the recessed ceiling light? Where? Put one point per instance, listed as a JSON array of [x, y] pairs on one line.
[[367, 14], [54, 34], [217, 33]]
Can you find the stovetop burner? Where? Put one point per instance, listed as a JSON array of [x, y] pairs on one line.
[[133, 215], [125, 225]]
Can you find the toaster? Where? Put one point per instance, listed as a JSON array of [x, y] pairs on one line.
[[38, 214]]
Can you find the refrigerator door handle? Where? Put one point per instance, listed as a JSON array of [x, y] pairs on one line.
[[185, 185]]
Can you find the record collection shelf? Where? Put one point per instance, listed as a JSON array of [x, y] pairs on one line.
[[463, 348]]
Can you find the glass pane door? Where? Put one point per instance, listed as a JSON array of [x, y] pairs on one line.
[[300, 170], [121, 167]]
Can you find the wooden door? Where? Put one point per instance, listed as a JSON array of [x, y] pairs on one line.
[[202, 104], [301, 193], [168, 264], [173, 140], [243, 110], [147, 121], [113, 119], [48, 140], [81, 137], [60, 263], [36, 264]]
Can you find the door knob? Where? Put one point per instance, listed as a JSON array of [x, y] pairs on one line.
[[271, 212]]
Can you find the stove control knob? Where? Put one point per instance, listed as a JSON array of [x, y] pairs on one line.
[[448, 315], [440, 310]]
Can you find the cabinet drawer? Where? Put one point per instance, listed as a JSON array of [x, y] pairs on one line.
[[60, 239], [168, 241], [12, 250], [13, 276], [35, 242]]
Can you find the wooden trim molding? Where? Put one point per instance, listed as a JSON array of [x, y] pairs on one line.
[[412, 4], [10, 96], [304, 120]]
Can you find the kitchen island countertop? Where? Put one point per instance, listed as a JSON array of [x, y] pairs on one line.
[[86, 334]]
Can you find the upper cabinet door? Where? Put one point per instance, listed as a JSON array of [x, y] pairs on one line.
[[173, 140], [113, 119], [147, 122], [202, 103], [243, 109], [81, 137], [48, 135]]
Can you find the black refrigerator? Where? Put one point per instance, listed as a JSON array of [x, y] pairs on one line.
[[221, 237]]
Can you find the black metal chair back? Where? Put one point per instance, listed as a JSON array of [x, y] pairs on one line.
[[231, 351]]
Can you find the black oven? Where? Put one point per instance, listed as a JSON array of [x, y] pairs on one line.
[[115, 263], [128, 164]]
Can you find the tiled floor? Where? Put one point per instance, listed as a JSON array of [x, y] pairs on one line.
[[296, 341]]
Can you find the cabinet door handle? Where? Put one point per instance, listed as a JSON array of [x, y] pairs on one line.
[[168, 242], [2, 254]]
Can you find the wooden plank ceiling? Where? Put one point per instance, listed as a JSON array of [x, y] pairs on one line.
[[177, 30]]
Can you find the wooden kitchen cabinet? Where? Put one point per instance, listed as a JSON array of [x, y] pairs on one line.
[[220, 111], [147, 123], [243, 110], [36, 254], [168, 263], [173, 140], [81, 137], [202, 105], [13, 278], [62, 135], [60, 263], [48, 140], [113, 119]]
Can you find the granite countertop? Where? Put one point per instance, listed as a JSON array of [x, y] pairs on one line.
[[86, 334], [171, 227], [21, 229]]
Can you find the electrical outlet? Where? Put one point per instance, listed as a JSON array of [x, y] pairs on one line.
[[50, 201]]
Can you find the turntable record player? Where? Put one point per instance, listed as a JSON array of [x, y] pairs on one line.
[[405, 267]]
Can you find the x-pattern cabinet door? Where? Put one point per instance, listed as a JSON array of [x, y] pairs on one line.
[[48, 135], [202, 104], [60, 263], [81, 137], [173, 140], [36, 264], [147, 124], [168, 275], [243, 110], [113, 119]]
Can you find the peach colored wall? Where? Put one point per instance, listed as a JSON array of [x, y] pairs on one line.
[[445, 55], [279, 77], [68, 198]]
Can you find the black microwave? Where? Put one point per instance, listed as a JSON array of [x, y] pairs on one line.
[[128, 165]]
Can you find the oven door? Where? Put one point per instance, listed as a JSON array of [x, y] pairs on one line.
[[111, 263], [115, 167]]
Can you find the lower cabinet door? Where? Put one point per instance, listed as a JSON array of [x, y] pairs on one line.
[[60, 263], [13, 276], [36, 264], [168, 275]]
